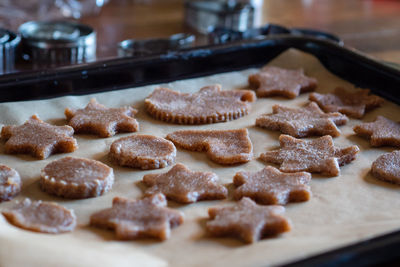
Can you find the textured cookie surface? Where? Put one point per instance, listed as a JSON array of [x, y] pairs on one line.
[[318, 155], [209, 105], [302, 122], [98, 119], [351, 103], [133, 219], [76, 178], [247, 221], [381, 132], [221, 146], [10, 183], [271, 186], [185, 186], [44, 217], [38, 138], [274, 81], [143, 152], [387, 167]]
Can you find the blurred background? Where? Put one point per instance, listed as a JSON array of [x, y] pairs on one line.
[[370, 26]]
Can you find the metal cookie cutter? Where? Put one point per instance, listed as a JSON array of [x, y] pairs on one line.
[[54, 43], [8, 45], [132, 47], [205, 16]]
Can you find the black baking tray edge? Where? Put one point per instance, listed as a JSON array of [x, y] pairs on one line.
[[115, 74]]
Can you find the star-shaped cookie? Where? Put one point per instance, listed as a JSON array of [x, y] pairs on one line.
[[221, 146], [274, 81], [209, 105], [98, 119], [302, 122], [318, 155], [38, 138], [271, 186], [247, 221], [185, 186], [353, 104], [133, 219], [381, 132]]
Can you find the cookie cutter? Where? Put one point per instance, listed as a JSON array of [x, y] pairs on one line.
[[224, 35], [8, 46], [204, 16], [54, 43], [133, 47]]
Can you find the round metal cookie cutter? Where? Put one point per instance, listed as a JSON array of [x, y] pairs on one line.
[[132, 47], [8, 46], [204, 16], [54, 43]]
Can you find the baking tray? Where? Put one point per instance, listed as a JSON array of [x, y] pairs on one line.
[[131, 72]]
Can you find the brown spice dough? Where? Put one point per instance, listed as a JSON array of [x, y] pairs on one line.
[[143, 151], [76, 178], [38, 138], [133, 219], [185, 186], [10, 183], [381, 132], [98, 119], [247, 221], [44, 217], [274, 81], [270, 186], [209, 105], [387, 167], [318, 155], [222, 146], [351, 103], [302, 122]]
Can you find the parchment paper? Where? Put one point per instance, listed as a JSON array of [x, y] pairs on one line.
[[342, 210]]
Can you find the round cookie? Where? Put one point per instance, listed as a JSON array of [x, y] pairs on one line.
[[10, 183], [43, 217], [387, 167], [143, 152], [76, 178]]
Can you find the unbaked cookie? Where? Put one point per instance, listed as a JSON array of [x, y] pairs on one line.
[[209, 105], [133, 219], [221, 146], [143, 152], [10, 183], [76, 178], [98, 119], [44, 217], [38, 138]]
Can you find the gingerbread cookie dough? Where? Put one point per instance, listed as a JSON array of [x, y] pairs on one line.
[[221, 146], [387, 167], [76, 178], [302, 122], [351, 103], [185, 186], [98, 119], [38, 138], [44, 217], [10, 183], [318, 155], [209, 105], [274, 81], [247, 221], [143, 152], [270, 186], [133, 219], [381, 132]]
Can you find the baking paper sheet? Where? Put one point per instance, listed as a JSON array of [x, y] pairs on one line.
[[344, 209]]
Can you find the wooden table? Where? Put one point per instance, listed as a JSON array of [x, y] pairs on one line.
[[372, 27]]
